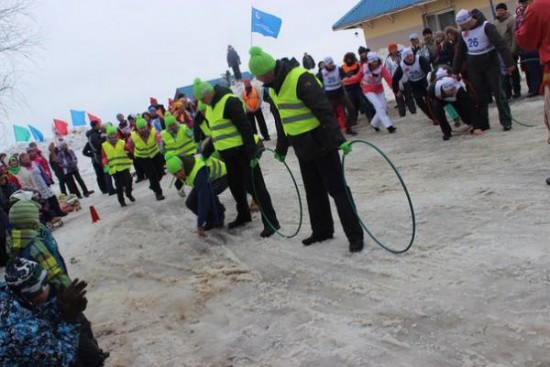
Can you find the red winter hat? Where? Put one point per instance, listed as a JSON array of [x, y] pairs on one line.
[[247, 82]]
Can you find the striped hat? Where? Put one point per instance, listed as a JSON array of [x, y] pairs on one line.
[[25, 277], [24, 214]]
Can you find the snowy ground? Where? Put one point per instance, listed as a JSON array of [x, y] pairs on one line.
[[473, 290]]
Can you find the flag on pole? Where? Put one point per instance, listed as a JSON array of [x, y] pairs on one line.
[[21, 133], [61, 126], [78, 118], [266, 24], [94, 118], [57, 137], [37, 134]]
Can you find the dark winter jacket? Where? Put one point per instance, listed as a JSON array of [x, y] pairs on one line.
[[95, 140], [319, 141], [233, 58], [488, 58], [446, 54], [424, 65], [308, 62]]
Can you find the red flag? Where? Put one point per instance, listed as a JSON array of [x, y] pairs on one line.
[[153, 101], [61, 126], [94, 118]]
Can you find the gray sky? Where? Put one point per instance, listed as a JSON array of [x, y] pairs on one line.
[[109, 56]]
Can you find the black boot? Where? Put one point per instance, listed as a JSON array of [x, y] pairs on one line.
[[350, 131], [268, 231], [316, 238], [131, 198], [238, 222], [392, 129], [356, 245], [160, 197]]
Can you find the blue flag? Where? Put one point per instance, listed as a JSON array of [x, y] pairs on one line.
[[78, 118], [37, 134], [264, 23]]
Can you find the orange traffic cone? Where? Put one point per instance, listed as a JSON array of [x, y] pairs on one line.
[[93, 213]]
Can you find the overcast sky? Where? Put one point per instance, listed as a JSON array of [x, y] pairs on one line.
[[109, 56]]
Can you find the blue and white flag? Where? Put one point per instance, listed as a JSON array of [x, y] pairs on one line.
[[37, 134], [264, 23]]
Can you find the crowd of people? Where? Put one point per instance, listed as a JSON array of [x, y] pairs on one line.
[[211, 144]]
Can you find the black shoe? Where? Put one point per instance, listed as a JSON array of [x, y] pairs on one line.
[[123, 204], [316, 238], [376, 129], [131, 198], [89, 193], [267, 138], [392, 129], [159, 197], [350, 131], [507, 128], [446, 137], [356, 245], [548, 181], [516, 95], [112, 193], [268, 231], [79, 197], [238, 222]]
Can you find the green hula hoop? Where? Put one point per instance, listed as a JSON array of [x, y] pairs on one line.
[[260, 204], [348, 193]]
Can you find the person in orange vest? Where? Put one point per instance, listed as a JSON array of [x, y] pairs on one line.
[[253, 103]]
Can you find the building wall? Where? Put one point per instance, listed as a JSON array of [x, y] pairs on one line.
[[384, 31]]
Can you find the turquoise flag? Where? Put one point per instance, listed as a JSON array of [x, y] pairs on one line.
[[78, 118], [21, 133], [37, 134]]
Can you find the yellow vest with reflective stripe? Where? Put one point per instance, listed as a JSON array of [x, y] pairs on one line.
[[295, 116], [204, 128], [117, 159], [224, 133], [216, 169], [181, 144], [147, 149]]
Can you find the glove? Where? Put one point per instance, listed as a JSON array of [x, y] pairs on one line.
[[72, 300], [279, 157], [254, 162], [106, 169], [346, 147]]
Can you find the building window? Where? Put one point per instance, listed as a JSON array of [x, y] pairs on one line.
[[438, 21]]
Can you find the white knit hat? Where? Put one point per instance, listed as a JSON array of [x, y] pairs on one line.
[[328, 60], [372, 57], [463, 17], [440, 73], [407, 51]]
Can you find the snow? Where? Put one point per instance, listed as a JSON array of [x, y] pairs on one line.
[[472, 291]]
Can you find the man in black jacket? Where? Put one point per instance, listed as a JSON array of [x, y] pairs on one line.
[[232, 137], [307, 123], [92, 149], [233, 61]]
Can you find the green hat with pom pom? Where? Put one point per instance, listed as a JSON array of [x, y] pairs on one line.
[[173, 163], [260, 62], [169, 119], [111, 131], [141, 123], [200, 87]]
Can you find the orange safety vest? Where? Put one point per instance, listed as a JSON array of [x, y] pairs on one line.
[[350, 70], [252, 99]]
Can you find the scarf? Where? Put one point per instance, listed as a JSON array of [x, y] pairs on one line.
[[14, 170]]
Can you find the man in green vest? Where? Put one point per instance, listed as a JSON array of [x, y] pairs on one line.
[[208, 178], [117, 163], [144, 143], [232, 137], [307, 123]]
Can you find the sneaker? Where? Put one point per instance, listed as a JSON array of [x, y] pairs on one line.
[[316, 238], [392, 129], [356, 245], [238, 222], [131, 198], [160, 197]]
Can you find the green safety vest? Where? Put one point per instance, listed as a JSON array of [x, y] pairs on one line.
[[216, 169], [147, 149], [295, 116], [223, 132], [117, 159], [181, 144]]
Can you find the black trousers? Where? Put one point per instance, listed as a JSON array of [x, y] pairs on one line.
[[420, 93], [60, 177], [323, 177], [71, 184], [359, 102], [237, 72], [54, 205], [259, 117], [153, 168], [123, 184], [216, 209], [406, 100], [239, 180], [513, 82], [349, 109], [100, 176], [139, 172], [464, 106]]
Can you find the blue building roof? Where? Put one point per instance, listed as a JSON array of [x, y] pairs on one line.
[[369, 9], [188, 89]]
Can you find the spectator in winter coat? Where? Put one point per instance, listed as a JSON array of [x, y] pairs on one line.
[[56, 167], [253, 104], [308, 62], [36, 328], [124, 129], [505, 25], [406, 100], [428, 48], [93, 150], [69, 162], [315, 136], [233, 61], [448, 47], [36, 156]]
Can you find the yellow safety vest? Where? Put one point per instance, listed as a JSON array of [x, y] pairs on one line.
[[224, 133], [204, 128], [181, 144], [295, 116], [117, 159], [216, 169], [147, 149]]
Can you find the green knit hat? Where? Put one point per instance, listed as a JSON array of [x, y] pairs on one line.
[[201, 106], [169, 119], [141, 123], [24, 214], [111, 131], [201, 87], [173, 163], [260, 63]]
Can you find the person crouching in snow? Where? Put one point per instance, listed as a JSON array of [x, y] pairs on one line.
[[446, 90], [117, 163], [371, 74], [334, 90], [208, 178]]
